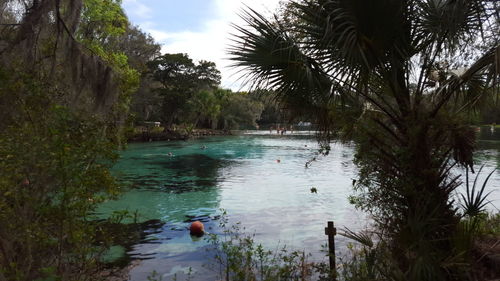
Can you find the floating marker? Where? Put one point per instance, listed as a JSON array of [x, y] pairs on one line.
[[197, 228]]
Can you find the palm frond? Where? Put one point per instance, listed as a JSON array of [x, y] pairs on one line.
[[363, 238], [475, 200], [454, 84], [269, 58], [352, 37], [456, 22]]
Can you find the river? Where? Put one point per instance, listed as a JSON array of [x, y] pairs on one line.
[[259, 179]]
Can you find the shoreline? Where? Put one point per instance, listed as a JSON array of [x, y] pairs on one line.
[[170, 135]]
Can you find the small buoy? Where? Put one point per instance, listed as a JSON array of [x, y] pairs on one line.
[[197, 228], [25, 182], [278, 161]]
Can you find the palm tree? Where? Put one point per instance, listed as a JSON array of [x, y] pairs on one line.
[[398, 76]]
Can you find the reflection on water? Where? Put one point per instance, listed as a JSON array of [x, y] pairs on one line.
[[241, 174]]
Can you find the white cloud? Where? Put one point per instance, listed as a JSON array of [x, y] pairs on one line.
[[212, 41], [137, 9]]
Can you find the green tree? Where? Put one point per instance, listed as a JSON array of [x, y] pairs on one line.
[[102, 20], [207, 75], [205, 109], [388, 73], [102, 24], [63, 94], [140, 48], [239, 110], [55, 170], [274, 112], [180, 79]]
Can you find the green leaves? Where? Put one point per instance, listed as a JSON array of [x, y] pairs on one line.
[[178, 72], [354, 37], [102, 19], [56, 171], [366, 67], [274, 60], [271, 58], [475, 199], [190, 94], [239, 257], [456, 22]]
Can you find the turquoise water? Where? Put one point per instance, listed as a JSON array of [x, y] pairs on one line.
[[241, 174]]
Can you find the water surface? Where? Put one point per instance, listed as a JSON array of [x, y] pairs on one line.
[[174, 183]]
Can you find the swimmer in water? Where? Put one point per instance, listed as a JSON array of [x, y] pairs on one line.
[[170, 154], [203, 147]]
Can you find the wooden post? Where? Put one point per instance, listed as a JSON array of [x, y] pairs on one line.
[[331, 232]]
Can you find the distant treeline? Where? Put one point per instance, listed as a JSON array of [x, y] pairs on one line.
[[177, 91]]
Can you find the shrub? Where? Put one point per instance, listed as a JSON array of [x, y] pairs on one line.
[[55, 170], [238, 257]]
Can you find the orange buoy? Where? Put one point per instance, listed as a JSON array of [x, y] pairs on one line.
[[197, 228]]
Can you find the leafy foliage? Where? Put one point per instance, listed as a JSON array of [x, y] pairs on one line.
[[474, 202], [190, 94], [180, 79], [239, 109], [102, 20], [399, 77], [239, 257], [64, 95], [54, 173]]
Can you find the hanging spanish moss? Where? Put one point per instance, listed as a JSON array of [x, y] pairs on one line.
[[40, 39]]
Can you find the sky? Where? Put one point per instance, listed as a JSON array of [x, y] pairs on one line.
[[200, 28]]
